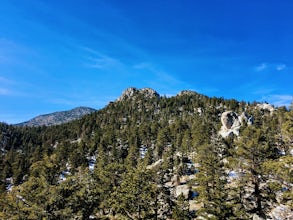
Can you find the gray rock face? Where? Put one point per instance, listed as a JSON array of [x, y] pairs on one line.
[[149, 93], [281, 212], [182, 189], [132, 92], [231, 123], [230, 120], [244, 118], [266, 107], [129, 92], [58, 117], [256, 217]]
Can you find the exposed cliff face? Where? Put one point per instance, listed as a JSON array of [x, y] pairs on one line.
[[231, 123], [58, 117], [230, 120], [133, 92]]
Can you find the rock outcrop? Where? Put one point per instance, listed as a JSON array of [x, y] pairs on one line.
[[244, 118], [266, 107], [231, 123], [133, 92], [182, 189], [230, 120], [281, 212]]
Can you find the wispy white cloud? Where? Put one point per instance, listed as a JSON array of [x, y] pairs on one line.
[[12, 52], [98, 60], [270, 66], [281, 67], [102, 62], [134, 72], [16, 88], [143, 65], [159, 73], [261, 67], [279, 100]]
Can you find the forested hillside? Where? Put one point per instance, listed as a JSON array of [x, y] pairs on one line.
[[145, 156]]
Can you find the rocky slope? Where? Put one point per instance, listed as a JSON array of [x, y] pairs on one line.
[[58, 117]]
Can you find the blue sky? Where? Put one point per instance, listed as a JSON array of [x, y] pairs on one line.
[[56, 55]]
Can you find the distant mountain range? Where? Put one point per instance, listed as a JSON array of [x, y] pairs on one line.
[[59, 117]]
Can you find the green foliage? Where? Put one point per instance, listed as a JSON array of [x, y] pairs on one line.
[[254, 150], [281, 173], [181, 209], [287, 128], [212, 181], [136, 197], [121, 186]]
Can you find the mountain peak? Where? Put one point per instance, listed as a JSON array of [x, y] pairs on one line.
[[132, 92]]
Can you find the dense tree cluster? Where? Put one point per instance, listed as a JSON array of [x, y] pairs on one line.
[[127, 160]]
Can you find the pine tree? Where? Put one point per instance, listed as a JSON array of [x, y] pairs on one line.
[[108, 178], [281, 178], [253, 150], [136, 197], [162, 141], [212, 181], [186, 143], [33, 198], [132, 157], [181, 209], [287, 129]]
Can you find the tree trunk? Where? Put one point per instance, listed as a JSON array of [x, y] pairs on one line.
[[258, 196]]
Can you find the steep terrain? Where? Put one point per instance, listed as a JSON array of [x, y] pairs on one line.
[[57, 118], [146, 156]]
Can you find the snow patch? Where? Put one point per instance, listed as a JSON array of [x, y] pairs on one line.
[[142, 151], [92, 162], [64, 173], [9, 184]]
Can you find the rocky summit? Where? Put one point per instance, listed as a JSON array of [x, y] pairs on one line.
[[133, 92]]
